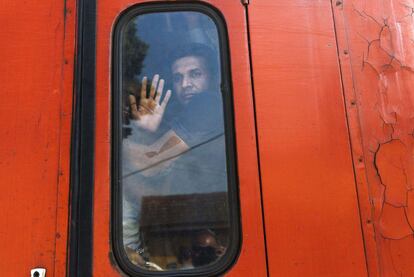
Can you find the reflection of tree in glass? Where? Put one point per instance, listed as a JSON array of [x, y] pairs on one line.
[[134, 51]]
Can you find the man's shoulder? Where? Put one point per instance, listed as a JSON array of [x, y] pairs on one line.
[[201, 119]]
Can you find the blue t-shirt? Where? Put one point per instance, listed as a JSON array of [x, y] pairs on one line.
[[201, 120], [202, 169]]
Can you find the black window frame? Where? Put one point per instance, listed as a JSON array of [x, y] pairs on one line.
[[228, 260]]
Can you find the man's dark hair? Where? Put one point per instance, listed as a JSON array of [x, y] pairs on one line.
[[198, 50], [203, 255]]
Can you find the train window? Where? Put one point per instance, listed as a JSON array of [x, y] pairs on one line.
[[175, 203]]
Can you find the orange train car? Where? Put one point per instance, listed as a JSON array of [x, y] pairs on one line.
[[205, 138]]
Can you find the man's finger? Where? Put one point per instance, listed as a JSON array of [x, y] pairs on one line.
[[159, 91], [133, 105], [144, 87], [166, 99], [154, 85]]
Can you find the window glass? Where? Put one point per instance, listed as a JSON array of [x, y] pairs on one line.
[[173, 169]]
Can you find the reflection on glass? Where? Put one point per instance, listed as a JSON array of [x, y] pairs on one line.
[[174, 179]]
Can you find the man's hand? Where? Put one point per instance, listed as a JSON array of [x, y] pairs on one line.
[[149, 111]]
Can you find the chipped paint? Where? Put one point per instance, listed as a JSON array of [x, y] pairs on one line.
[[379, 36]]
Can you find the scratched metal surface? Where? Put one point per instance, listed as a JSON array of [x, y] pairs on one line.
[[376, 40]]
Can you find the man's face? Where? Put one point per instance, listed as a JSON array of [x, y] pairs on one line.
[[190, 77]]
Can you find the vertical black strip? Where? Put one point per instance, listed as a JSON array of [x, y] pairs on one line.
[[257, 137], [82, 148]]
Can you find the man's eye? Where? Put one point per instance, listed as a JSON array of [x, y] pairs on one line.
[[177, 78], [195, 74]]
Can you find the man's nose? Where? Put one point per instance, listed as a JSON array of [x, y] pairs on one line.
[[186, 82]]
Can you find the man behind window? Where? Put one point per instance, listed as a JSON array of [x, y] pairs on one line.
[[189, 157]]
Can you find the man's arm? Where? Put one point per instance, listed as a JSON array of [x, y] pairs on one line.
[[150, 160]]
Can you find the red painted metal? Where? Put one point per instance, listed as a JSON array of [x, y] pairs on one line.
[[36, 73], [309, 193], [334, 105]]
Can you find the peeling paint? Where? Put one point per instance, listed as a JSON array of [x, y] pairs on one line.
[[380, 43]]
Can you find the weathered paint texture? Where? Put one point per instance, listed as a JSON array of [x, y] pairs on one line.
[[378, 36]]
